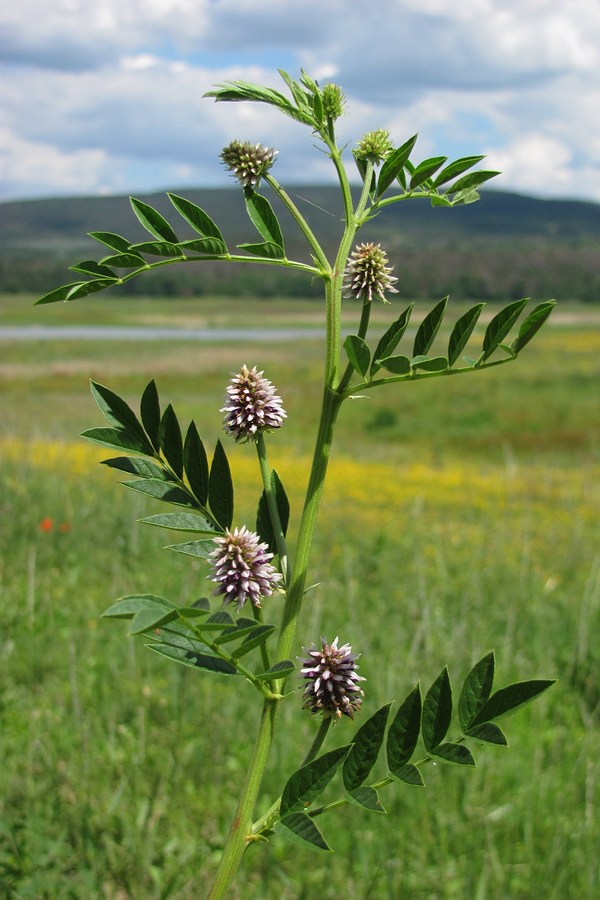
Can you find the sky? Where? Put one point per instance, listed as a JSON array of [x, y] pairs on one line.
[[105, 96]]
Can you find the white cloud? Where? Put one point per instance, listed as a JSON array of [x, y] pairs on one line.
[[118, 86]]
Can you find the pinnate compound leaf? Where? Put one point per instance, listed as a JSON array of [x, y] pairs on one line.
[[394, 164], [409, 774], [220, 488], [263, 218], [455, 754], [358, 353], [429, 328], [366, 744], [196, 217], [456, 168], [367, 798], [117, 439], [128, 607], [150, 413], [153, 221], [181, 521], [299, 828], [308, 781], [437, 711], [281, 669], [391, 338], [532, 324], [196, 464], [171, 441], [488, 733], [462, 331], [476, 690], [403, 733], [500, 325], [507, 700]]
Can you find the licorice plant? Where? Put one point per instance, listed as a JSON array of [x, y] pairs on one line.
[[226, 634]]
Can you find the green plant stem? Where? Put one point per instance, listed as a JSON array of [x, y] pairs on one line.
[[240, 828], [264, 651], [242, 821], [362, 333], [266, 472], [265, 824], [301, 221], [318, 741]]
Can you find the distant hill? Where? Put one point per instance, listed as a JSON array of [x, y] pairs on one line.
[[504, 246]]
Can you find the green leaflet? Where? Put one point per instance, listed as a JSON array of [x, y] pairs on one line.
[[390, 339], [532, 324], [437, 711], [263, 218], [116, 411], [197, 218], [358, 353], [366, 744], [462, 331], [150, 413], [153, 221], [403, 733], [195, 463], [500, 325], [366, 797], [301, 829], [180, 521], [170, 440], [117, 439], [264, 526], [425, 170], [476, 690], [455, 754], [128, 607], [394, 164], [159, 489], [308, 782], [428, 329], [220, 488], [507, 700]]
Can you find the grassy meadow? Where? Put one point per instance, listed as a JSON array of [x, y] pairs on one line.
[[460, 515]]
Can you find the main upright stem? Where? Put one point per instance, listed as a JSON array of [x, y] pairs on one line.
[[240, 829]]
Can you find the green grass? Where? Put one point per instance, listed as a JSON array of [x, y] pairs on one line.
[[461, 515]]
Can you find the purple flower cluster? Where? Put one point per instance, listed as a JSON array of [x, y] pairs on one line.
[[331, 680], [242, 569], [252, 405]]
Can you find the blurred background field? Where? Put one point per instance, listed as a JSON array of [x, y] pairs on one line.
[[461, 514]]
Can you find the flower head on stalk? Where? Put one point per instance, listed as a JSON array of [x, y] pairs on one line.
[[367, 274], [242, 569], [374, 146], [334, 101], [331, 680], [252, 405], [248, 162]]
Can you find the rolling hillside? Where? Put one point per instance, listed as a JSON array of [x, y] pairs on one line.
[[504, 246]]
